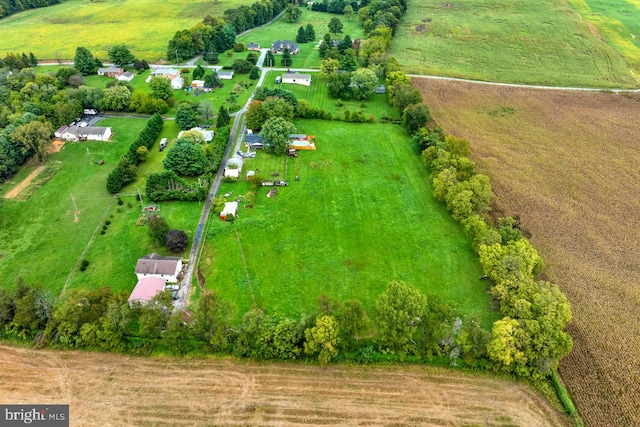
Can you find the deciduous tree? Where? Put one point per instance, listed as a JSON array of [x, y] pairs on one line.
[[399, 309], [275, 133], [35, 136], [363, 83], [120, 55], [335, 26], [321, 340], [177, 240], [186, 159]]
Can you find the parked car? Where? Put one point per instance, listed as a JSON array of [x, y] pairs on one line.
[[281, 183], [163, 143], [268, 183], [292, 153], [172, 287]]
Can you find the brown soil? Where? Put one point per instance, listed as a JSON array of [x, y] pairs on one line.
[[567, 163], [15, 191], [114, 390], [56, 146]]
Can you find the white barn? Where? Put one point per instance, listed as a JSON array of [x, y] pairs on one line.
[[296, 78]]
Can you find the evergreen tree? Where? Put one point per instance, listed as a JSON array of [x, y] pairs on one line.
[[84, 61], [254, 74], [310, 32], [223, 117], [302, 35], [286, 58]]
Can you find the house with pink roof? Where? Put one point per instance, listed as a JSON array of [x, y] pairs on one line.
[[146, 289]]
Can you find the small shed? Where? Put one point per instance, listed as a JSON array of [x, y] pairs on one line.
[[250, 174], [126, 76], [278, 79], [230, 211]]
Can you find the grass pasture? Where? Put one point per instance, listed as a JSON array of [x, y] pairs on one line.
[[40, 238], [309, 55], [532, 42], [55, 31], [376, 106], [361, 216], [567, 163]]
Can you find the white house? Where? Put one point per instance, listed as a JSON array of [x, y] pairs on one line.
[[296, 78], [233, 167], [197, 84], [146, 289], [110, 71], [85, 133], [177, 83], [162, 267], [230, 211], [225, 75], [127, 77], [206, 134], [172, 74]]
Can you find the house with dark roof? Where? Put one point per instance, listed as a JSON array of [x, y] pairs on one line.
[[163, 267], [253, 46], [279, 46], [253, 140], [146, 289]]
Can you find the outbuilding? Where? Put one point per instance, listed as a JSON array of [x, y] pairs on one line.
[[230, 211], [146, 289]]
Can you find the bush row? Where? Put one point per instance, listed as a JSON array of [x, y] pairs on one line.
[[125, 172]]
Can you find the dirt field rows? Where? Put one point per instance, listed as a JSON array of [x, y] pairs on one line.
[[114, 390], [567, 163]]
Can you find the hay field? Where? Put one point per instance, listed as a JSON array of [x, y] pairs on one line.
[[115, 390], [145, 26], [567, 163], [516, 41]]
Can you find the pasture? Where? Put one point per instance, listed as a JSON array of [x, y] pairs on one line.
[[566, 163], [55, 31], [361, 215], [265, 394], [281, 29], [377, 106], [41, 237], [532, 42]]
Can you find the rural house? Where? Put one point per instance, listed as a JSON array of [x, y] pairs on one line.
[[163, 267], [168, 73], [225, 75], [206, 133], [86, 133], [253, 46], [110, 71], [146, 289], [279, 46], [127, 77], [253, 140], [296, 78]]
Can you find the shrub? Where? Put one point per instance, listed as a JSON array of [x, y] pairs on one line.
[[107, 222], [158, 229], [177, 240], [238, 47], [85, 263]]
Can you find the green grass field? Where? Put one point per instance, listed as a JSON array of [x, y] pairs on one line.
[[376, 106], [361, 215], [534, 42], [145, 26], [284, 30], [618, 23], [40, 240]]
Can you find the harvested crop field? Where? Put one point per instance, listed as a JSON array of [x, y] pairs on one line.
[[567, 163], [111, 389]]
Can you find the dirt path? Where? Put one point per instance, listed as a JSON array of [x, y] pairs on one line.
[[115, 390], [18, 188]]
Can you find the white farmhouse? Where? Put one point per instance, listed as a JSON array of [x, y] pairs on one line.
[[296, 78], [163, 267]]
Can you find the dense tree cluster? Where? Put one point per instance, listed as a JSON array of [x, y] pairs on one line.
[[9, 7]]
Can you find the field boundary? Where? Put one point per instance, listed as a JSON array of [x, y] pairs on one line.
[[15, 191], [523, 86]]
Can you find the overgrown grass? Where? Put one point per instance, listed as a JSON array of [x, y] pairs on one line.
[[309, 55], [361, 215], [40, 238], [541, 42], [143, 25]]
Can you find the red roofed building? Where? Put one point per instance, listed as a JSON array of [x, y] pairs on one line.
[[146, 289]]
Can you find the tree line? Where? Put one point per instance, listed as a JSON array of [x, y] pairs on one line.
[[404, 325], [9, 7]]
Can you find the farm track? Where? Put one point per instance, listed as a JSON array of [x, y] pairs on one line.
[[566, 162], [169, 391]]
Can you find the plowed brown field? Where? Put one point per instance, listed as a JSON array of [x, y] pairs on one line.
[[115, 390], [569, 164]]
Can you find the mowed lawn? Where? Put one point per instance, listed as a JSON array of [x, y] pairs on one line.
[[376, 106], [40, 238], [361, 215], [534, 42], [282, 29], [145, 26]]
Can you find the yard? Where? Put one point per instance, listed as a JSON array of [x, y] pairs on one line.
[[43, 236], [361, 215]]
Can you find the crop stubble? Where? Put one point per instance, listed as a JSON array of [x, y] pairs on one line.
[[567, 163], [111, 389]]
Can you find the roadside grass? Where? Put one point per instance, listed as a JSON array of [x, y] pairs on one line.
[[40, 240], [55, 31], [283, 30], [377, 104], [361, 215], [541, 42]]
